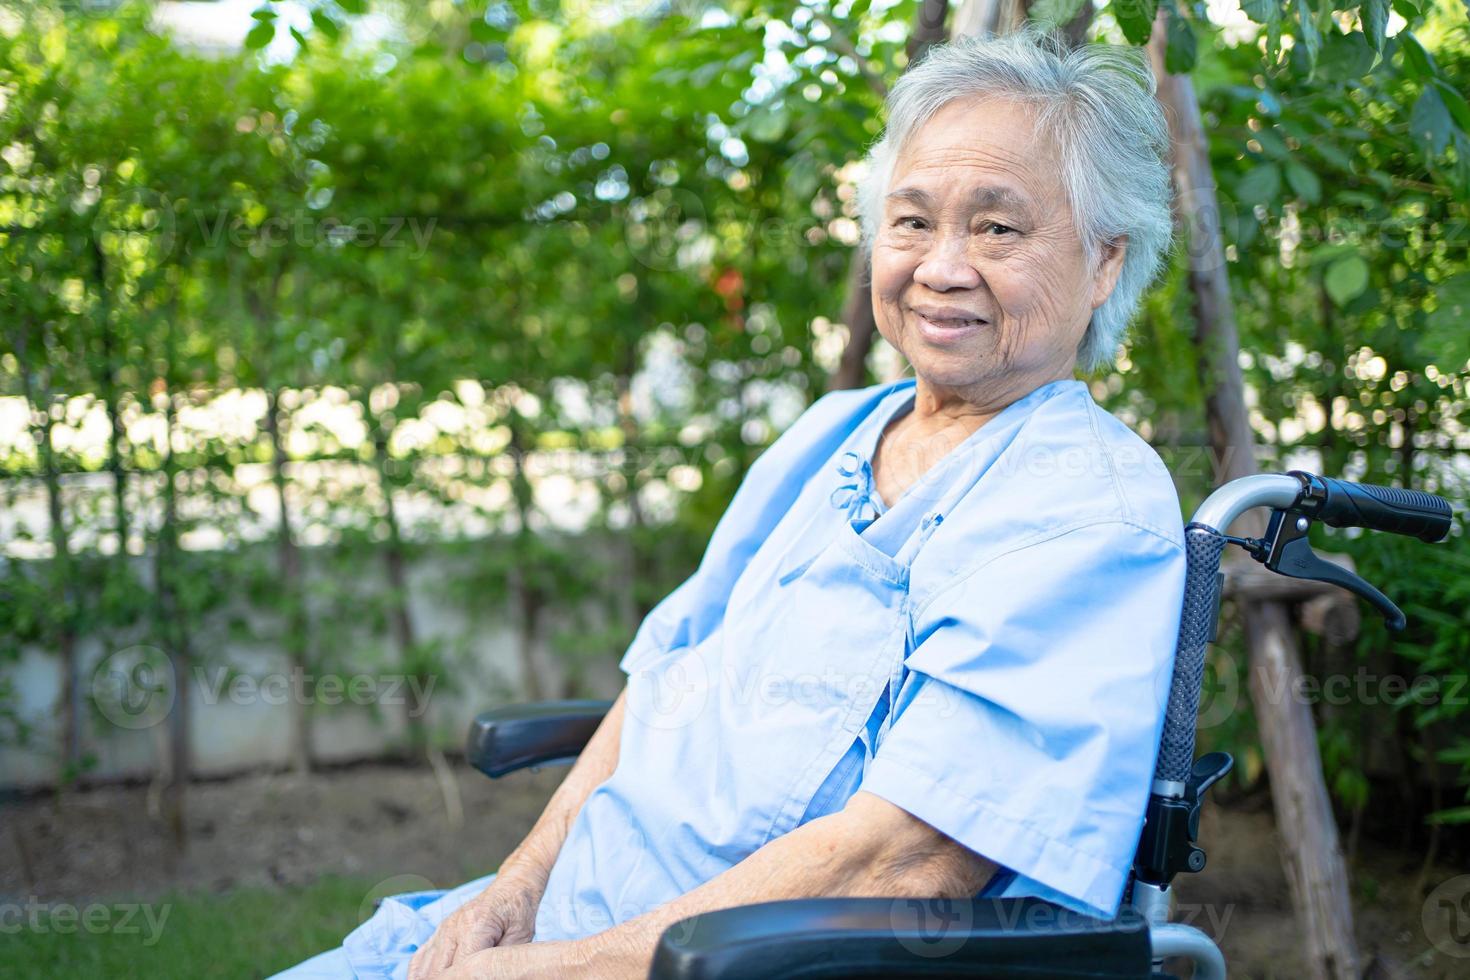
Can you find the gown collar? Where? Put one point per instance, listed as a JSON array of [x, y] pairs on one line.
[[855, 492]]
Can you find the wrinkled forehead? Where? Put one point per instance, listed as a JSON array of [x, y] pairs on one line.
[[994, 147]]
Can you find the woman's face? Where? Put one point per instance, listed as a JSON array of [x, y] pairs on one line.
[[979, 278]]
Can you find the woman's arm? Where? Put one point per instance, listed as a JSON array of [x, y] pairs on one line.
[[504, 914], [870, 848], [531, 861]]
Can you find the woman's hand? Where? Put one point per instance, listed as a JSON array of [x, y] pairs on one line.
[[565, 959], [504, 914]]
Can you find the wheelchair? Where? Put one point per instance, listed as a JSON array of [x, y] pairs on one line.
[[1025, 937]]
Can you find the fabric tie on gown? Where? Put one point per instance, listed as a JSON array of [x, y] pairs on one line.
[[857, 492]]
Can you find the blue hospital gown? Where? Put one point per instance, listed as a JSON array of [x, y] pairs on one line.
[[992, 653]]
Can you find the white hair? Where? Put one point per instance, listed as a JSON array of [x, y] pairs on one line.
[[1096, 102]]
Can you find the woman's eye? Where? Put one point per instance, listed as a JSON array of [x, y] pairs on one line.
[[998, 229], [910, 223]]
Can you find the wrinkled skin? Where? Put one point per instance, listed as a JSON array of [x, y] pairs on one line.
[[504, 914], [976, 218]]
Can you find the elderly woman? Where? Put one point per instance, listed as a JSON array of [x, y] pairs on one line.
[[928, 648]]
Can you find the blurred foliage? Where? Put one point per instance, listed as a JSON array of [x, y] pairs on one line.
[[614, 237], [1348, 261]]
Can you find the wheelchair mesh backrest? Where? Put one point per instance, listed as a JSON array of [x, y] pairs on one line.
[[1202, 548]]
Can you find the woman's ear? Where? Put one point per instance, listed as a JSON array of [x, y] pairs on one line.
[[1109, 267]]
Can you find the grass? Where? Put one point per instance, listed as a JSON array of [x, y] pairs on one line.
[[248, 932]]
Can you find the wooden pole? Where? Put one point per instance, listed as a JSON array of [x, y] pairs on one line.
[[1310, 848]]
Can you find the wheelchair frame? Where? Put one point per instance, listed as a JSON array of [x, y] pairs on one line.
[[1015, 938]]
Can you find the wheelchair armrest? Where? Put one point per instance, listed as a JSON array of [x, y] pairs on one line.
[[993, 938], [515, 736]]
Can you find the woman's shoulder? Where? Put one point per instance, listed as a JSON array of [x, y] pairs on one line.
[[1073, 456], [1069, 472]]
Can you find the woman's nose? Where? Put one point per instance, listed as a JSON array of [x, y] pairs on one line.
[[947, 265]]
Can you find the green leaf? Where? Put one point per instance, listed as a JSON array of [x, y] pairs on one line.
[[1452, 306], [1261, 185], [353, 6], [1327, 254], [1462, 166], [263, 13], [1455, 102], [1459, 814], [802, 178], [1304, 182], [1346, 279], [322, 21], [300, 38], [1418, 63], [1180, 54], [1331, 153], [1373, 14], [1309, 39], [1054, 12], [1346, 56], [1459, 754], [1136, 18], [1272, 145], [1430, 121], [1262, 11], [260, 35]]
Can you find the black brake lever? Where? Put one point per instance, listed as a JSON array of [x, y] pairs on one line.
[[1209, 770], [1289, 553]]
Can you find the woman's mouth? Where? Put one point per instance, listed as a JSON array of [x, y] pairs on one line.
[[948, 330]]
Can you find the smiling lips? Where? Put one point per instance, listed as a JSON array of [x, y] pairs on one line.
[[946, 324]]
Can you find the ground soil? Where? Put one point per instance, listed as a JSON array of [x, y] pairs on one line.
[[391, 825]]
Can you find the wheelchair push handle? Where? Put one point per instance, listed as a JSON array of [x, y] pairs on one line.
[[1295, 499], [1338, 503]]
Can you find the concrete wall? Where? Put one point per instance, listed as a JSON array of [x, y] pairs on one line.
[[240, 690]]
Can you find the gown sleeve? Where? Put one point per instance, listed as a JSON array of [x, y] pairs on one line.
[[1027, 725]]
